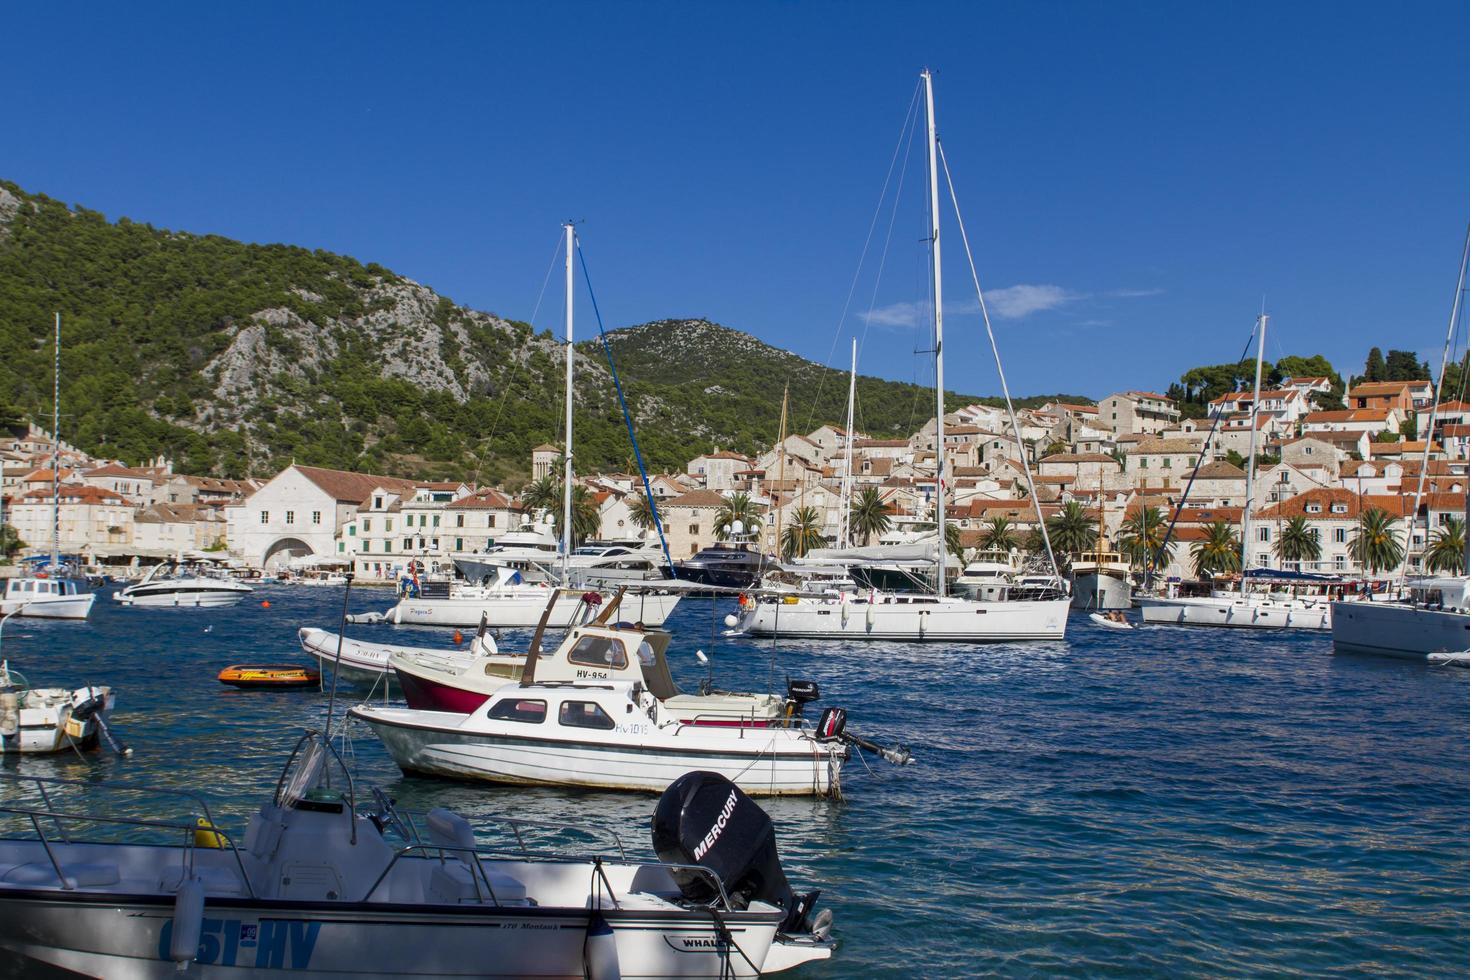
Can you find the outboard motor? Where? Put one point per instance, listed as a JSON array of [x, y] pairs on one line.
[[704, 819], [832, 724], [802, 693]]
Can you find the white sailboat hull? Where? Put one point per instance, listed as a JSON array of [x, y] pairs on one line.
[[895, 619], [1390, 629], [761, 761], [1238, 612], [523, 609]]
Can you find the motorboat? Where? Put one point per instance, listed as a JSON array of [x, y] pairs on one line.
[[45, 596], [1106, 621], [509, 603], [184, 584], [432, 681], [365, 664], [1433, 625], [986, 575], [723, 567], [1100, 581], [1284, 600], [49, 719], [327, 883], [904, 616], [608, 564], [529, 549]]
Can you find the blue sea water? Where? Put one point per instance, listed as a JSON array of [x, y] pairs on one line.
[[1162, 802]]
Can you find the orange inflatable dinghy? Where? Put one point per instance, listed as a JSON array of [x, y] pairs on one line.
[[269, 675]]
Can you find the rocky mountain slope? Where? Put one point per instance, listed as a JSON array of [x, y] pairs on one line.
[[236, 358]]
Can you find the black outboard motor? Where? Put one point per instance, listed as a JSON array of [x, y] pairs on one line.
[[802, 693], [705, 819]]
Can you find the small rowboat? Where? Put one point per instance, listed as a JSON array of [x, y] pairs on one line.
[[269, 675], [1107, 623]]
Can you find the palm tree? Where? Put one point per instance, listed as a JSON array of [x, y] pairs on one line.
[[738, 507], [998, 534], [1375, 543], [1142, 535], [868, 514], [1218, 552], [541, 495], [1035, 541], [1072, 530], [1447, 551], [802, 534], [1297, 543], [641, 513]]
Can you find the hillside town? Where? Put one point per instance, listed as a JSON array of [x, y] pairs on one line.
[[1129, 455]]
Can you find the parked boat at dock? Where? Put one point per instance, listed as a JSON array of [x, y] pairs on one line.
[[506, 603], [327, 885], [49, 719], [46, 597]]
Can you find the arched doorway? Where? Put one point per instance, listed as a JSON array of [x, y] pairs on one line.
[[281, 551]]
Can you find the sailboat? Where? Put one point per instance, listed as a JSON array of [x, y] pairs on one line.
[[912, 616], [1434, 625], [51, 593], [506, 600], [1244, 608]]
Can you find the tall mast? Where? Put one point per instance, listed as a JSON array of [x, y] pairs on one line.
[[781, 464], [566, 502], [1250, 465], [845, 521], [56, 454], [938, 329]]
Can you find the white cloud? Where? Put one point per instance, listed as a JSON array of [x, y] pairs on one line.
[[1024, 299], [914, 314], [1134, 293]]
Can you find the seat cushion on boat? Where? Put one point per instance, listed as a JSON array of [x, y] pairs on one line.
[[77, 875], [732, 706], [449, 829], [453, 881]]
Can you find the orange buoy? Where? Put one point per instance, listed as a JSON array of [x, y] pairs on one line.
[[458, 637], [265, 603]]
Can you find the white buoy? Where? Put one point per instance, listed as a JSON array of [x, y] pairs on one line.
[[730, 620], [602, 950], [183, 944]]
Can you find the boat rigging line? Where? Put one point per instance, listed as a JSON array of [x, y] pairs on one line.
[[623, 404], [1428, 433]]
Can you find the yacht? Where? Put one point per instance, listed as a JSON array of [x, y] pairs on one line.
[[529, 550], [186, 585], [723, 566], [1433, 626], [507, 602], [43, 596], [986, 575], [1100, 581]]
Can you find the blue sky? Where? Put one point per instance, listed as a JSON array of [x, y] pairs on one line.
[[1135, 177]]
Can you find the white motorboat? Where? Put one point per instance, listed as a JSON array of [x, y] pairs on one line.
[[1106, 622], [878, 615], [528, 549], [325, 885], [49, 719], [366, 664], [1432, 626], [46, 597], [432, 681], [986, 575], [1286, 600], [507, 603], [184, 584]]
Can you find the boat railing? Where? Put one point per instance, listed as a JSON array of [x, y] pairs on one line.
[[519, 827], [192, 827]]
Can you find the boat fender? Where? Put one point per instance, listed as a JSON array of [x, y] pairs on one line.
[[206, 835], [731, 621], [846, 611], [601, 950], [188, 922], [868, 616], [9, 713]]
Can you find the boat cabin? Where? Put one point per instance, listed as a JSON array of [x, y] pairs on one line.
[[32, 588]]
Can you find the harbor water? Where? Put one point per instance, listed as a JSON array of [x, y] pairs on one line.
[[1158, 802]]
